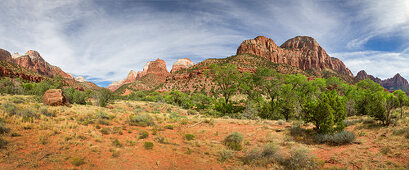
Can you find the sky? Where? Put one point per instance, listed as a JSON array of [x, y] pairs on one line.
[[102, 40]]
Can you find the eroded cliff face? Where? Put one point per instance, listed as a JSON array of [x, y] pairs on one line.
[[154, 72], [181, 64], [302, 52]]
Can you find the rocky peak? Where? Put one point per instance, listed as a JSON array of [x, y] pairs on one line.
[[16, 55], [181, 64], [5, 55], [80, 79], [362, 75], [396, 82], [301, 42], [302, 51]]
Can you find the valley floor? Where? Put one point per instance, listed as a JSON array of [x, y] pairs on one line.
[[76, 138]]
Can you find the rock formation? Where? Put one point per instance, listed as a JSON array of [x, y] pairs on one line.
[[55, 97], [395, 83], [80, 79], [302, 52], [154, 71], [33, 60], [181, 64], [5, 55]]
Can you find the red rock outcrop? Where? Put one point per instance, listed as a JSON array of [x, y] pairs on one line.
[[33, 60], [156, 72], [55, 97], [5, 55], [302, 52], [181, 64]]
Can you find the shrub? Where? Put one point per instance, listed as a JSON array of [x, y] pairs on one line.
[[148, 145], [105, 131], [116, 143], [141, 120], [44, 111], [189, 137], [3, 128], [300, 159], [339, 138], [143, 134], [169, 127], [103, 97], [3, 143], [28, 115], [296, 130], [77, 161], [10, 109], [161, 139], [233, 141], [403, 131], [17, 100], [225, 155], [260, 156]]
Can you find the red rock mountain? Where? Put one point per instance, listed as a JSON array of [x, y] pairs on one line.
[[395, 83], [181, 64], [155, 70], [34, 61], [302, 52], [5, 55]]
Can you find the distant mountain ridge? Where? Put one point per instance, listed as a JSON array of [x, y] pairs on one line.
[[397, 82]]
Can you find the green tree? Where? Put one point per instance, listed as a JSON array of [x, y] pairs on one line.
[[268, 83], [325, 112], [402, 98], [103, 96], [227, 79]]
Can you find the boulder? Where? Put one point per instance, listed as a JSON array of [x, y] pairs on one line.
[[55, 97]]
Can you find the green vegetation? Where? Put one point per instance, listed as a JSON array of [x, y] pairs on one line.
[[141, 120], [148, 145], [189, 137], [143, 134], [234, 141], [77, 161]]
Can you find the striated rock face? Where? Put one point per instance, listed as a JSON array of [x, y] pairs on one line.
[[55, 97], [33, 60], [302, 52], [181, 64], [5, 55], [396, 82], [153, 71], [80, 79]]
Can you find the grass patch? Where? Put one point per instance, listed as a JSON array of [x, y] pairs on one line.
[[141, 120], [143, 134], [339, 138], [77, 161], [169, 127], [224, 155]]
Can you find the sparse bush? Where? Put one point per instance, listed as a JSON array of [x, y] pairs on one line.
[[77, 161], [17, 100], [148, 145], [300, 158], [3, 128], [296, 130], [161, 139], [189, 137], [28, 115], [44, 111], [224, 155], [169, 127], [403, 131], [233, 141], [10, 109], [3, 143], [105, 131], [141, 120], [143, 134], [116, 143], [339, 138], [352, 122], [260, 156]]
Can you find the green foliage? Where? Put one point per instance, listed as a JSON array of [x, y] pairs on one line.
[[300, 158], [141, 120], [76, 96], [116, 143], [325, 112], [10, 109], [3, 128], [3, 143], [148, 145], [402, 99], [9, 86], [339, 138], [189, 137], [77, 161], [17, 100], [103, 97], [169, 127], [143, 134], [44, 111], [263, 156], [225, 155], [227, 80], [234, 141]]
